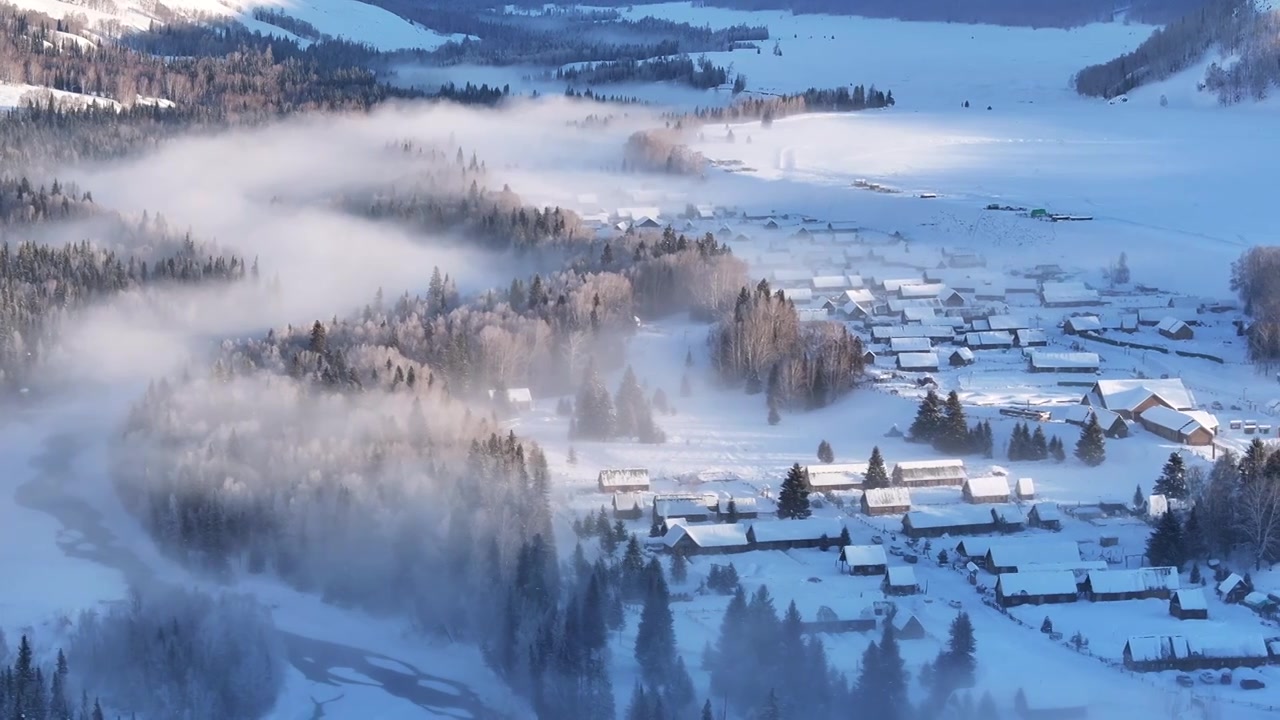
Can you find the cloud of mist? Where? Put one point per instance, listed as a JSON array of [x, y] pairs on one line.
[[270, 193]]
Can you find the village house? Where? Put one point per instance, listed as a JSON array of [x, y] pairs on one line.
[[1175, 329], [886, 501], [993, 489], [1154, 316], [1113, 426], [1139, 584], [1039, 361], [989, 340], [1130, 398], [810, 532], [1154, 653], [799, 296], [827, 621], [623, 480], [1025, 489], [948, 520], [1233, 589], [746, 508], [1045, 515], [1078, 324], [1186, 427], [1067, 294], [952, 299], [918, 362], [974, 547], [1005, 556], [901, 580], [921, 291], [837, 476], [960, 357], [1189, 604], [1008, 517], [518, 399], [1260, 603], [829, 283], [863, 559], [910, 344], [930, 473], [1036, 588], [713, 539], [632, 505], [1030, 337], [688, 508]]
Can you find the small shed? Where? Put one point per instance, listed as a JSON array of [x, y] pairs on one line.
[[689, 509], [1045, 515], [1233, 589], [886, 501], [1082, 324], [1189, 604], [1039, 361], [993, 489], [623, 480], [864, 559], [901, 580], [835, 476], [989, 340], [908, 626], [910, 345], [1036, 588], [707, 539], [519, 399], [1177, 426], [930, 473], [1175, 329], [1025, 489], [746, 508], [1030, 337], [960, 357]]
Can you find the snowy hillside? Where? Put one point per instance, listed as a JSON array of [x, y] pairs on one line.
[[14, 95], [350, 19]]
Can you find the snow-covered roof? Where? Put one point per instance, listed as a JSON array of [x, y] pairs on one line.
[[921, 290], [946, 516], [1174, 420], [1128, 394], [895, 284], [888, 497], [1192, 599], [632, 501], [929, 469], [901, 576], [917, 360], [811, 314], [1007, 322], [1157, 505], [1130, 581], [829, 282], [1205, 418], [1081, 413], [708, 536], [910, 344], [919, 314], [1067, 292], [1053, 582], [667, 507], [637, 213], [1047, 511], [786, 530], [897, 304], [1015, 552], [888, 332], [798, 295], [624, 477], [859, 295], [989, 338], [864, 555], [1154, 648], [1065, 360], [1026, 336], [1077, 566], [964, 353], [1229, 583], [1008, 513], [1160, 314], [1025, 487], [1170, 325], [992, 486], [836, 474], [1085, 323]]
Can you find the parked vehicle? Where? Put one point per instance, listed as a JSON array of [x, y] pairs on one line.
[[955, 604], [1209, 677], [911, 559], [877, 540], [1251, 683], [1185, 680]]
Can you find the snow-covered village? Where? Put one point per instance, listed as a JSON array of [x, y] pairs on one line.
[[730, 360]]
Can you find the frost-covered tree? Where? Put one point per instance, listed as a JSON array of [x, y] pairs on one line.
[[793, 495], [1091, 447], [877, 475], [1172, 482]]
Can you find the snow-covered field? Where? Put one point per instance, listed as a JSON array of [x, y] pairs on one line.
[[356, 21], [13, 95]]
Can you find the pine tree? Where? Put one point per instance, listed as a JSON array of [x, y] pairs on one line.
[[1253, 463], [845, 539], [1172, 482], [987, 708], [1139, 499], [319, 343], [1039, 446], [706, 711], [793, 496], [639, 708], [1046, 627], [1091, 447], [594, 411], [893, 676], [632, 570], [771, 711], [1056, 449], [877, 476], [572, 458], [1193, 540], [928, 422], [631, 410], [774, 417], [1165, 546], [688, 358], [731, 514], [988, 440], [679, 567], [953, 434], [825, 454]]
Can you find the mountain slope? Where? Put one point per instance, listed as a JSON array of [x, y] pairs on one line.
[[349, 19]]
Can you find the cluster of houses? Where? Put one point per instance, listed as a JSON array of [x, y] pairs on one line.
[[1164, 407], [872, 561]]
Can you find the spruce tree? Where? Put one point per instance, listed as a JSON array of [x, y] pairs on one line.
[[706, 711], [1056, 449], [987, 708], [1165, 545], [1193, 540], [630, 406], [1172, 482], [893, 676], [845, 539], [825, 453], [928, 422], [679, 567], [771, 711], [793, 496], [774, 417], [953, 434], [1091, 447], [1139, 499], [731, 513], [955, 666], [1039, 445], [655, 647], [594, 411], [988, 440], [877, 476]]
